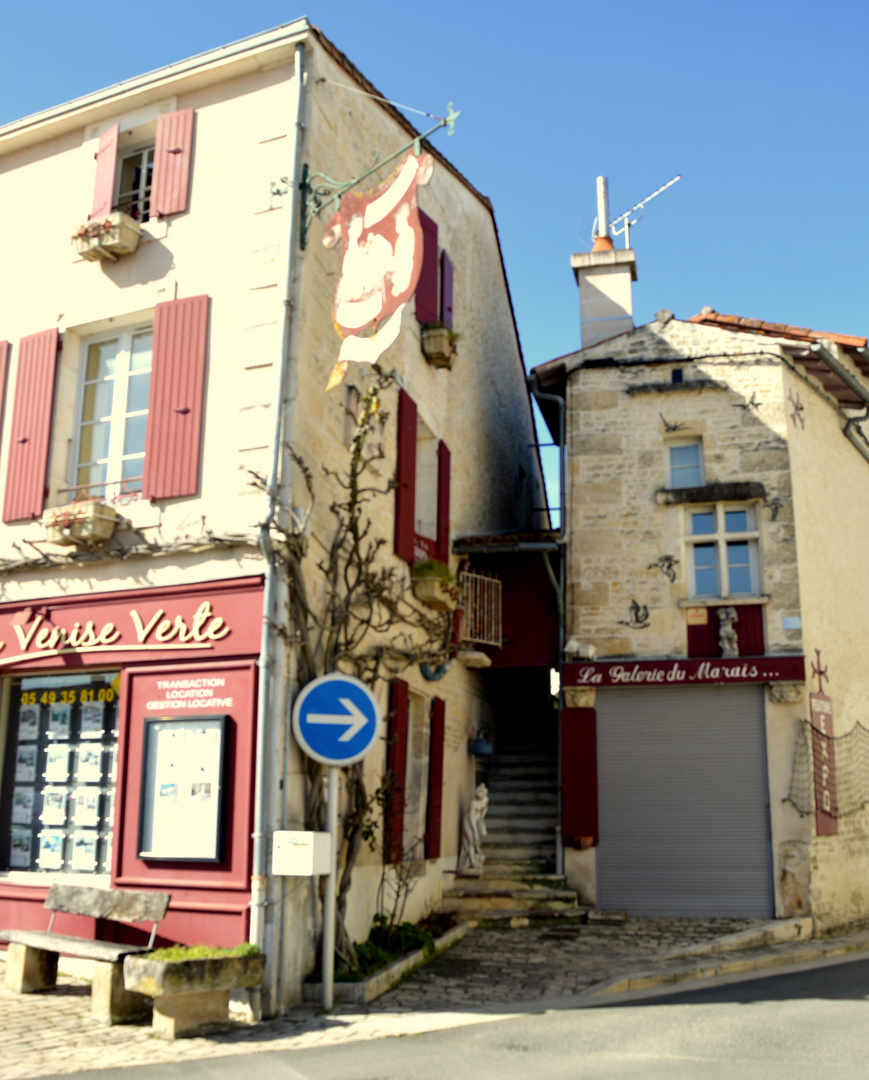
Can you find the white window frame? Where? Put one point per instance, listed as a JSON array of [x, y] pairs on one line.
[[671, 477], [425, 508], [135, 202], [114, 482], [721, 538]]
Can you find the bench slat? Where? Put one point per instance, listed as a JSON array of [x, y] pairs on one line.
[[107, 951], [121, 905]]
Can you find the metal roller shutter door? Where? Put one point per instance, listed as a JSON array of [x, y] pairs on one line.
[[684, 815]]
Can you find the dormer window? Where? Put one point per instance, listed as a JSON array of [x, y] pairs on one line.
[[685, 465]]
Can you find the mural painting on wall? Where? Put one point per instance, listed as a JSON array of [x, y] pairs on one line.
[[382, 247]]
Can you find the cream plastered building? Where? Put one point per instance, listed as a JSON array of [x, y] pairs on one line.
[[716, 493], [140, 606]]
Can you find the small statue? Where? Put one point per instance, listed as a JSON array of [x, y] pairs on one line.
[[474, 831], [727, 638]]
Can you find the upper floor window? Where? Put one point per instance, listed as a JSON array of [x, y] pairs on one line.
[[135, 177], [110, 454], [422, 489], [722, 551], [146, 172], [685, 465]]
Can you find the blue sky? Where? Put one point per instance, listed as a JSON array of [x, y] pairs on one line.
[[761, 106]]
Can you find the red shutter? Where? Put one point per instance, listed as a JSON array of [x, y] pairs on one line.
[[172, 155], [405, 477], [427, 288], [396, 767], [443, 549], [435, 780], [175, 399], [107, 163], [446, 289], [31, 427], [579, 777]]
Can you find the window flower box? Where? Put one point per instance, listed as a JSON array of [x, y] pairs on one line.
[[81, 523], [439, 344], [433, 592], [113, 236]]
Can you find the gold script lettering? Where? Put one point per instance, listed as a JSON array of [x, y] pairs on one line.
[[24, 639], [144, 629]]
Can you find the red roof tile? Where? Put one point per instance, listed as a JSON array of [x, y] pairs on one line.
[[759, 326]]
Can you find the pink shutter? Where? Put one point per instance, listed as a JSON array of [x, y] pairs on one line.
[[446, 289], [4, 367], [396, 767], [30, 436], [172, 154], [175, 399], [434, 807], [107, 164], [443, 502], [405, 477], [427, 287]]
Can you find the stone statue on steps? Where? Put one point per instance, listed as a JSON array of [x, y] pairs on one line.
[[474, 832]]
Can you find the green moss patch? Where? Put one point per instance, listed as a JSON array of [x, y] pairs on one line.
[[177, 953]]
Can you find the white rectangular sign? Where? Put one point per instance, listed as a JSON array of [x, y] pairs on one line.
[[301, 854]]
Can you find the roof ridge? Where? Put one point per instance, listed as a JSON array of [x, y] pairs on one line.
[[761, 326]]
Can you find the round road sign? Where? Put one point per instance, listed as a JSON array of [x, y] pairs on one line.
[[336, 719]]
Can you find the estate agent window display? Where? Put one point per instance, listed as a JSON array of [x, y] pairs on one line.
[[59, 772]]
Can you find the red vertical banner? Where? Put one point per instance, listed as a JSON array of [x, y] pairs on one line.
[[579, 821], [824, 757]]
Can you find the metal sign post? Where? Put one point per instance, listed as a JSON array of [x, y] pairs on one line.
[[336, 721]]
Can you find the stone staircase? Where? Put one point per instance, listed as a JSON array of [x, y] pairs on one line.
[[518, 885]]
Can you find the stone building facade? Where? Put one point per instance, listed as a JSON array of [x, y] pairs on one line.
[[144, 388], [715, 507]]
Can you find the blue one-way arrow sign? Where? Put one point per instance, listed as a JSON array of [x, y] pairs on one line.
[[336, 719]]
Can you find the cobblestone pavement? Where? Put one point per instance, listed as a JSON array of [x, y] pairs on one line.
[[54, 1033]]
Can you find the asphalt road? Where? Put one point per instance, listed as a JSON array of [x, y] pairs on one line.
[[810, 1023]]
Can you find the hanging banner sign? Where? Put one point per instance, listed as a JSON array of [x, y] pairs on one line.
[[824, 757], [756, 669]]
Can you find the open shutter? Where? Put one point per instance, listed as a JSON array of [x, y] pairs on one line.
[[31, 427], [579, 816], [396, 767], [172, 155], [427, 287], [405, 477], [446, 289], [443, 550], [175, 399], [435, 779], [107, 163]]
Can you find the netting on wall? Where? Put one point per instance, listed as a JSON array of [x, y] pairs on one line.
[[851, 757]]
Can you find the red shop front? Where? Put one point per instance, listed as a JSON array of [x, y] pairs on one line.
[[127, 753]]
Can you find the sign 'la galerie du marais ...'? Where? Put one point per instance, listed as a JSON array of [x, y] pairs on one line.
[[686, 672], [218, 620]]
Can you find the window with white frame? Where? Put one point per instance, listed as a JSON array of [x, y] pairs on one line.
[[685, 465], [135, 173], [722, 544], [110, 444], [426, 490]]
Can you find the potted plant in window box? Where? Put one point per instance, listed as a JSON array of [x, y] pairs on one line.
[[190, 985], [434, 584], [439, 344], [116, 235], [85, 523]]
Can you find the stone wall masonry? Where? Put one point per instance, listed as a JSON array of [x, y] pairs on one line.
[[617, 460]]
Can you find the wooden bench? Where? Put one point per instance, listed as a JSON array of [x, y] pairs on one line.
[[31, 963]]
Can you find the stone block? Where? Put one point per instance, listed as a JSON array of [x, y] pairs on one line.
[[597, 444], [176, 1015], [29, 970], [595, 399], [594, 595], [110, 1001], [769, 459]]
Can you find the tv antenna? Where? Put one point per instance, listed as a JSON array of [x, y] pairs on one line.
[[623, 220]]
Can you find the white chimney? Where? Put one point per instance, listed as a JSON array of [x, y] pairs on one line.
[[604, 276]]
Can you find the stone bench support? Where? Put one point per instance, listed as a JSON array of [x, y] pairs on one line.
[[176, 1015]]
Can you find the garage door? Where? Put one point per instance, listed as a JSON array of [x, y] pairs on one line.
[[684, 818]]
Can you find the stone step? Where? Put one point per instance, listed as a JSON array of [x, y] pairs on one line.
[[517, 917], [506, 836], [524, 759], [522, 770], [514, 852], [505, 882], [516, 900], [520, 792], [522, 869], [531, 811]]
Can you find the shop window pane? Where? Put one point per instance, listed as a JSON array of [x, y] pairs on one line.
[[57, 807]]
